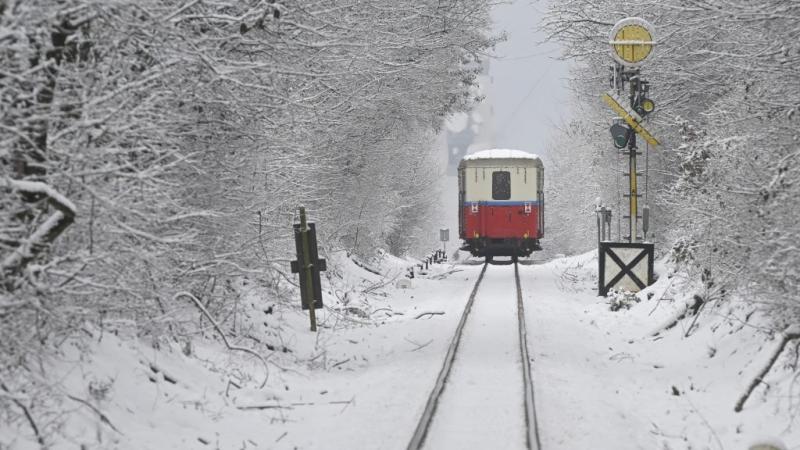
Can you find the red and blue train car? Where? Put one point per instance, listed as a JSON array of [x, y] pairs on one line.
[[501, 203]]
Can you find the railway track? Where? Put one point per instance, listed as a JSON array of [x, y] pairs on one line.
[[483, 396]]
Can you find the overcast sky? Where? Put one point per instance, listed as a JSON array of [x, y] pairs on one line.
[[528, 91], [527, 94]]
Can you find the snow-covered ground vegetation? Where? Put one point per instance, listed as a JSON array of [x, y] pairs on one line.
[[351, 385], [661, 373], [152, 153], [723, 186]]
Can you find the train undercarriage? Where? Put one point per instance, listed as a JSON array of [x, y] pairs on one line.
[[491, 247]]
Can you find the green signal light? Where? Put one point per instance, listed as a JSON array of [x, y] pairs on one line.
[[620, 135]]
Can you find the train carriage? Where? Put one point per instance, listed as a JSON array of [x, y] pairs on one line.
[[501, 203]]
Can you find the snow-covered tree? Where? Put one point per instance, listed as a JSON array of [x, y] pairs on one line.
[[159, 146], [725, 78]]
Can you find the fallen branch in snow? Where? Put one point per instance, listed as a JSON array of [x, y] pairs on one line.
[[346, 404], [249, 407], [791, 333], [222, 334], [356, 311], [156, 370], [27, 413], [287, 278], [429, 313], [103, 417], [698, 305], [444, 275], [340, 362], [342, 314], [677, 317], [379, 284], [228, 387], [659, 432], [705, 422], [389, 311], [418, 346], [680, 315], [660, 299], [332, 402], [365, 267]]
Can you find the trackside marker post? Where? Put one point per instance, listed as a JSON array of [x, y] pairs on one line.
[[308, 266], [312, 312]]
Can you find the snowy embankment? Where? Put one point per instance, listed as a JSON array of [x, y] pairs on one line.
[[655, 375], [604, 379], [358, 383]]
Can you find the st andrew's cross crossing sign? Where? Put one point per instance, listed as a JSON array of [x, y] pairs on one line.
[[626, 266]]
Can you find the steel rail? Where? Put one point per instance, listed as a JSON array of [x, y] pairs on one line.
[[532, 433], [425, 420], [532, 441]]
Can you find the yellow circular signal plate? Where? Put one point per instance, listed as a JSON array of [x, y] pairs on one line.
[[632, 40], [648, 105]]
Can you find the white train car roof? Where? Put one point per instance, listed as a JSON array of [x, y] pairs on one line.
[[500, 157]]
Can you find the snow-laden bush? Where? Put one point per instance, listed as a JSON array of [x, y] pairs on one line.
[[618, 299]]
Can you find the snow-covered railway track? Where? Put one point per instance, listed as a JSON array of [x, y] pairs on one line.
[[483, 396]]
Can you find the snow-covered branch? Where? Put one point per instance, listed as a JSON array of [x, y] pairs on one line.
[[46, 232]]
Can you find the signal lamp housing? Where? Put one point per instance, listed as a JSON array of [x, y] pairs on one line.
[[648, 106], [620, 134]]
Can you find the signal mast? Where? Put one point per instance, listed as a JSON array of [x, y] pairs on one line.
[[629, 265]]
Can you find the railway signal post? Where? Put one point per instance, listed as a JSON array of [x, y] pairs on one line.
[[632, 40]]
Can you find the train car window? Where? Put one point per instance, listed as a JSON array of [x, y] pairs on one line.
[[501, 185]]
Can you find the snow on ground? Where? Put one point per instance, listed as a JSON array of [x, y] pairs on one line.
[[481, 406], [360, 383], [619, 380], [603, 379]]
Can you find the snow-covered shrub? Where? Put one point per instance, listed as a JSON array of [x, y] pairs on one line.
[[619, 298]]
